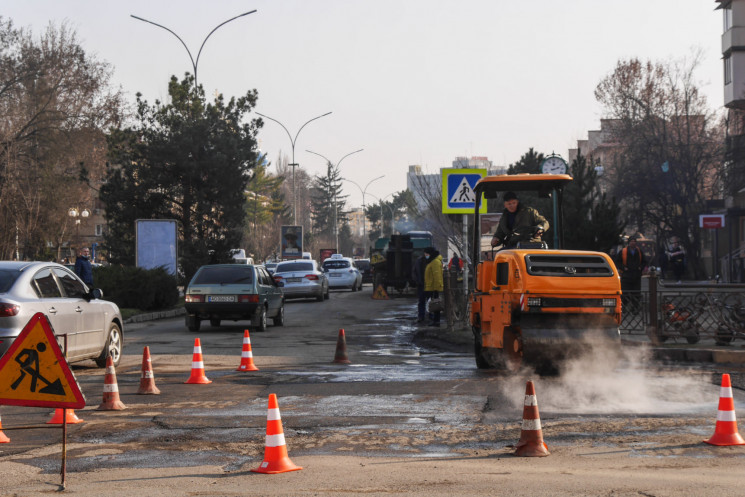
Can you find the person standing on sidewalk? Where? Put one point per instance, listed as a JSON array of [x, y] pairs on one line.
[[83, 267], [418, 274], [433, 283], [631, 263]]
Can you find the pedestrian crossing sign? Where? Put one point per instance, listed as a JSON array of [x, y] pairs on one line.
[[34, 372], [457, 190]]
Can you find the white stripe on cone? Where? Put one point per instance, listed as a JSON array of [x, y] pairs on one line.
[[197, 365], [273, 415], [726, 416], [110, 370], [147, 374], [275, 440], [725, 392], [246, 354], [110, 387], [531, 424], [531, 400]]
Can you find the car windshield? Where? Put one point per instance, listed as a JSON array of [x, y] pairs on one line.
[[7, 278], [294, 266], [336, 264], [224, 275]]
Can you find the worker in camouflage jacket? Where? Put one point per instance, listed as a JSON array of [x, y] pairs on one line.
[[518, 223]]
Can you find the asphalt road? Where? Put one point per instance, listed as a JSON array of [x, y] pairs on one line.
[[411, 415]]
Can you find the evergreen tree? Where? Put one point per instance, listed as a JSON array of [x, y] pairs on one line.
[[591, 221], [265, 205], [328, 204], [188, 160]]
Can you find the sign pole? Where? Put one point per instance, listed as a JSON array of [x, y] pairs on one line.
[[465, 254], [63, 469]]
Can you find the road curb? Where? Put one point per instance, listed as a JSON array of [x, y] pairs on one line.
[[152, 316]]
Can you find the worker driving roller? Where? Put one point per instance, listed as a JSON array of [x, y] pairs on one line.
[[518, 223]]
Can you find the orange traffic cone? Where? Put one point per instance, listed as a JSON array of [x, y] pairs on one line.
[[247, 357], [147, 379], [111, 400], [197, 366], [58, 417], [341, 349], [725, 432], [531, 442], [276, 459], [3, 439]]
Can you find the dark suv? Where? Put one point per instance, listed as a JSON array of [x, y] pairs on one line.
[[364, 266]]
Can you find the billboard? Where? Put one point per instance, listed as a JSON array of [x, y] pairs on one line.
[[156, 244], [291, 242]]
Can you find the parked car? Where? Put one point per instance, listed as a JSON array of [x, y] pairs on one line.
[[233, 292], [342, 273], [302, 279], [365, 269], [270, 266], [93, 326]]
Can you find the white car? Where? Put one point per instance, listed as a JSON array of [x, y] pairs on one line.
[[342, 273]]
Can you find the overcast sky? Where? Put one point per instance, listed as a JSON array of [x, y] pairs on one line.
[[410, 81]]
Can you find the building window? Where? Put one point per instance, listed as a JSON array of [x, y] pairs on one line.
[[99, 229], [727, 69], [727, 15]]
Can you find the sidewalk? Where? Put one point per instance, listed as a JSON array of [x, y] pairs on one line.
[[152, 316]]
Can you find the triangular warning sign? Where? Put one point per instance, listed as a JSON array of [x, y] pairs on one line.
[[34, 372], [463, 194], [380, 293]]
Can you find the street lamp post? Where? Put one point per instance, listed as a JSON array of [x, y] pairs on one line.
[[194, 63], [77, 214], [382, 201], [338, 164], [294, 164], [364, 215]]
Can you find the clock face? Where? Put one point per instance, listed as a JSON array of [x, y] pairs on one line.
[[554, 165]]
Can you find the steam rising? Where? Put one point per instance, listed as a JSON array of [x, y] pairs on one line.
[[612, 379]]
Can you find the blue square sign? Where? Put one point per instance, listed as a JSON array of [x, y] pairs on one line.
[[458, 195]]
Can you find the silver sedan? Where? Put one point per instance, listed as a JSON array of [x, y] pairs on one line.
[[302, 279], [93, 326]]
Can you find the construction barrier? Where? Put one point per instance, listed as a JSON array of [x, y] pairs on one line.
[[147, 379], [247, 357], [58, 417], [197, 366], [276, 459], [531, 442], [111, 401], [341, 349], [725, 431]]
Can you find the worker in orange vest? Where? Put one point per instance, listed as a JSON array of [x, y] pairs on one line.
[[631, 263]]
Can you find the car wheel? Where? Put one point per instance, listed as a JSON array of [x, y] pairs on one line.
[[259, 321], [215, 322], [320, 297], [113, 347], [279, 319], [193, 322], [326, 295]]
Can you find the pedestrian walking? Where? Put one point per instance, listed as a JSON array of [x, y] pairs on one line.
[[433, 283]]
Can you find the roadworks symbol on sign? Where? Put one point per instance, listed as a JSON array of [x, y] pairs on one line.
[[463, 194], [380, 293], [34, 372]]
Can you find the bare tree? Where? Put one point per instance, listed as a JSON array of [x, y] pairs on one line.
[[668, 151], [56, 103]]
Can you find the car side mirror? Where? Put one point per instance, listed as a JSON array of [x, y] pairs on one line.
[[96, 294]]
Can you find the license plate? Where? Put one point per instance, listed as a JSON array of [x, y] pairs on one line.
[[294, 280], [335, 275], [221, 298]]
